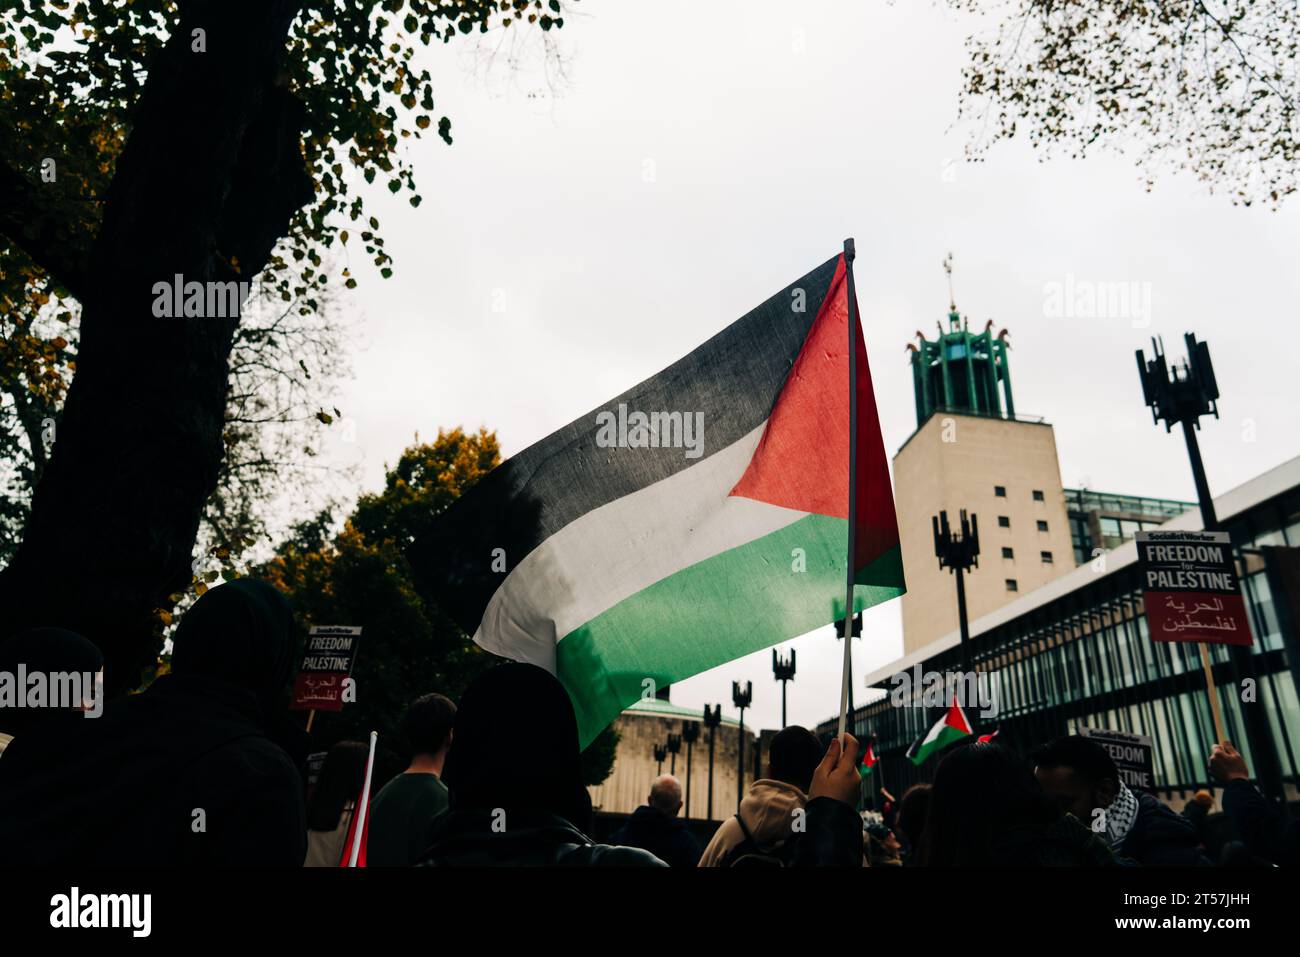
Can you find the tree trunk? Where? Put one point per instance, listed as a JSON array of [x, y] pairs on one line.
[[208, 182]]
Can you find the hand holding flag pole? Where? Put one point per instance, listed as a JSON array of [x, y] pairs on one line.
[[849, 253]]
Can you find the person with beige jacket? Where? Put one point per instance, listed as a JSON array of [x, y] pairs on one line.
[[760, 832]]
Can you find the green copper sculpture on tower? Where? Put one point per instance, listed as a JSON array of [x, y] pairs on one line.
[[961, 371]]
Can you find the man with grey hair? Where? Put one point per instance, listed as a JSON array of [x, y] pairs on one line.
[[666, 794], [655, 826]]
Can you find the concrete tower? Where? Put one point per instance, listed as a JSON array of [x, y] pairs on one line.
[[970, 450]]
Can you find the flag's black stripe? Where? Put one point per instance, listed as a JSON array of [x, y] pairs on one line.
[[733, 379]]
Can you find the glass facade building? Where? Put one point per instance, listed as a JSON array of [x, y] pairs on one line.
[[1105, 521], [1077, 653]]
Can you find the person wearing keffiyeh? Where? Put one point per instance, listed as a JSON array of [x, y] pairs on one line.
[[1081, 776]]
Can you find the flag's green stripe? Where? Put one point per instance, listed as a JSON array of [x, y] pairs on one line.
[[744, 600], [884, 572]]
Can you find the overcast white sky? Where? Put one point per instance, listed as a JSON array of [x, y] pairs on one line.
[[772, 133]]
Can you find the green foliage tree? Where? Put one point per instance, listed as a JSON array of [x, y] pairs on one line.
[[361, 577], [427, 478], [598, 757], [218, 140]]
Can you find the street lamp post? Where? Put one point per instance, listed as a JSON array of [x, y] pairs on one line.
[[783, 671], [1183, 397], [959, 554], [855, 631], [712, 718], [674, 746], [690, 733], [741, 699]]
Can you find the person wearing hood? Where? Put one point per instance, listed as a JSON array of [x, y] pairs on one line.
[[184, 774], [1081, 776], [765, 822], [66, 663], [655, 826], [505, 813]]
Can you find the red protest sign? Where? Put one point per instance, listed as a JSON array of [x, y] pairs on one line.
[[326, 666], [1190, 587]]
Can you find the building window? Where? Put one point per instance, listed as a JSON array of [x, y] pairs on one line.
[[1011, 585], [1042, 525], [1004, 521], [1081, 536], [1008, 553], [1000, 491], [1117, 531], [1038, 495], [1047, 557]]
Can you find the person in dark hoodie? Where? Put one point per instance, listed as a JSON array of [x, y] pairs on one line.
[[66, 662], [1081, 777], [184, 774], [655, 826], [508, 813], [986, 810]]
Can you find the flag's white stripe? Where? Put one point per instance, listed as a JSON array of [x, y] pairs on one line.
[[935, 731], [626, 545]]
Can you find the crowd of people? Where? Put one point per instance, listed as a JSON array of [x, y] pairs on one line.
[[205, 768]]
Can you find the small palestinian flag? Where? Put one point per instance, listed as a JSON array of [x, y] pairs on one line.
[[953, 726], [352, 836], [696, 518], [988, 738], [868, 760], [360, 809]]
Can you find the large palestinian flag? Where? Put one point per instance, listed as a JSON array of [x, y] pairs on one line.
[[698, 517]]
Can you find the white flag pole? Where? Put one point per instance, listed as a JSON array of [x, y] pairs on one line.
[[364, 803], [849, 254]]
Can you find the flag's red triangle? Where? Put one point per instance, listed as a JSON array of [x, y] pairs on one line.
[[956, 718], [802, 460], [869, 757]]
